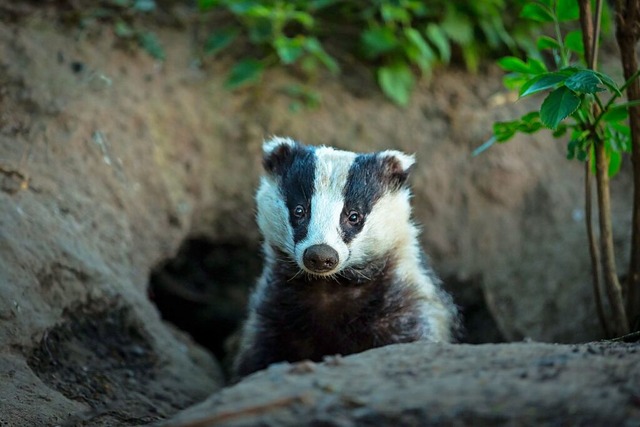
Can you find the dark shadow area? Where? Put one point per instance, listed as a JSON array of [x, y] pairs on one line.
[[203, 290], [479, 326]]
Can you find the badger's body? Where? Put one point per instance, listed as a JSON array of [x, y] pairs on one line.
[[343, 268]]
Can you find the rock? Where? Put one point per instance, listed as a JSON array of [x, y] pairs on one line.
[[592, 384]]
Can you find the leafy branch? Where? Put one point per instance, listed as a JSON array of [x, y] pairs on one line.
[[599, 133], [397, 38]]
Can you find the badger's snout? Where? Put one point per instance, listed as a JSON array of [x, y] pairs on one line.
[[320, 258]]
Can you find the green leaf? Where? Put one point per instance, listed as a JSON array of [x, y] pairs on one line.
[[313, 46], [144, 5], [416, 39], [546, 42], [438, 37], [557, 106], [585, 81], [571, 149], [615, 161], [514, 81], [289, 49], [245, 72], [261, 31], [511, 63], [622, 128], [218, 40], [149, 42], [471, 56], [123, 30], [543, 82], [536, 66], [615, 114], [560, 131], [536, 12], [608, 82], [457, 27], [567, 10], [529, 123], [392, 13], [573, 42], [303, 18], [378, 41], [504, 131], [207, 4], [396, 82]]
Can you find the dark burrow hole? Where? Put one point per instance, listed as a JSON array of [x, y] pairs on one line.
[[479, 326], [203, 290]]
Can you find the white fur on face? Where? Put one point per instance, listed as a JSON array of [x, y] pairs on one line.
[[332, 171], [273, 215], [387, 227]]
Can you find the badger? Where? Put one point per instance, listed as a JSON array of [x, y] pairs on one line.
[[343, 270]]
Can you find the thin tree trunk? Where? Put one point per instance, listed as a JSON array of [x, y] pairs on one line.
[[627, 34], [612, 285], [590, 52], [620, 324], [593, 252]]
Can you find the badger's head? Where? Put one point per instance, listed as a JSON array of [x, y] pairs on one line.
[[330, 210]]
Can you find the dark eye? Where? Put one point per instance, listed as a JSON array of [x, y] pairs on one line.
[[354, 218], [299, 211]]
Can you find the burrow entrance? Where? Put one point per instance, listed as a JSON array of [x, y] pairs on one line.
[[203, 290]]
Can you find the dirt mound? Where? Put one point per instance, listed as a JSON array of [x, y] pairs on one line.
[[99, 356]]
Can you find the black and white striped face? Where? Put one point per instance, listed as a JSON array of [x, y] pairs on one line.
[[328, 209]]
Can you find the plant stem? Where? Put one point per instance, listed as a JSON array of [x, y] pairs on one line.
[[596, 32], [619, 325], [612, 285], [627, 34], [593, 250], [586, 23]]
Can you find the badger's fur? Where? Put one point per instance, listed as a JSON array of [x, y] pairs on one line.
[[343, 270]]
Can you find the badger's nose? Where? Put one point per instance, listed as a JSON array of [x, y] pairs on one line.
[[320, 258]]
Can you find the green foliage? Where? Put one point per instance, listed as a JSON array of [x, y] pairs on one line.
[[123, 14], [399, 38], [572, 91]]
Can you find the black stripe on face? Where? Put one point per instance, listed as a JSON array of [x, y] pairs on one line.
[[297, 186], [370, 176]]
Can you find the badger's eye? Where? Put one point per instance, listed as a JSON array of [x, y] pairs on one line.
[[299, 211], [354, 218]]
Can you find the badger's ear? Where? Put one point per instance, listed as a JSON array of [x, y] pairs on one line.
[[396, 166], [278, 154]]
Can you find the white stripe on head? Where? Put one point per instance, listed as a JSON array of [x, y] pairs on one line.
[[332, 170]]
